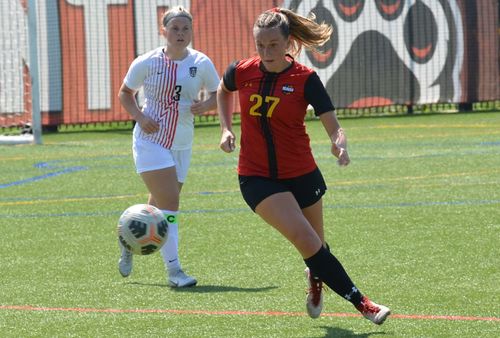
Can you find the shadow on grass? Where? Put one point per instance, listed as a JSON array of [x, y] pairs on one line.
[[336, 332], [207, 288]]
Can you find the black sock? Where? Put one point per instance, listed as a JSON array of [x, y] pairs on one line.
[[324, 265], [327, 247]]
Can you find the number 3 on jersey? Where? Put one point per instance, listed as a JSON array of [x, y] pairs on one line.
[[177, 95], [254, 110]]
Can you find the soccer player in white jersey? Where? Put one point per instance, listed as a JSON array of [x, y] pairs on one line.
[[172, 77]]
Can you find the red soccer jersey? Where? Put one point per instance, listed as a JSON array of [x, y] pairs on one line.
[[274, 142]]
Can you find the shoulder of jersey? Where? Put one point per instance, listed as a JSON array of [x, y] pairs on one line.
[[198, 56], [247, 63], [302, 68]]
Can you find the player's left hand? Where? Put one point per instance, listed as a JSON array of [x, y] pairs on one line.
[[198, 107], [341, 155], [339, 148]]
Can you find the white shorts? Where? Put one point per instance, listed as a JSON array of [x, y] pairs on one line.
[[150, 156]]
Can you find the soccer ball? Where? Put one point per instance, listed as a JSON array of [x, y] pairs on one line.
[[142, 229]]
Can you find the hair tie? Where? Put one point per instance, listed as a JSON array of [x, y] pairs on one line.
[[275, 10]]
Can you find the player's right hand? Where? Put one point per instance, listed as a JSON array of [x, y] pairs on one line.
[[227, 141], [147, 124]]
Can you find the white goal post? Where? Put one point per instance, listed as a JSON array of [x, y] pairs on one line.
[[20, 117]]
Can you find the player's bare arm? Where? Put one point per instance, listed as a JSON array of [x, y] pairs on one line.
[[225, 111], [200, 107], [129, 102], [337, 137]]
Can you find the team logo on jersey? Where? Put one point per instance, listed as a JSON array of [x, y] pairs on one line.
[[192, 71], [287, 89]]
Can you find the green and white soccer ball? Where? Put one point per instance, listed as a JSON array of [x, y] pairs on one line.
[[142, 229]]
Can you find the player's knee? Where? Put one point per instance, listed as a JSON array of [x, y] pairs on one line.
[[305, 239]]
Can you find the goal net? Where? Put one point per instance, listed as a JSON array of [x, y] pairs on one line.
[[18, 101]]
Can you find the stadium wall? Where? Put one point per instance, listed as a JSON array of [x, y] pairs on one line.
[[382, 52]]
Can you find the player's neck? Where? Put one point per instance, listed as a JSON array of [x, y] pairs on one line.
[[277, 68], [174, 53]]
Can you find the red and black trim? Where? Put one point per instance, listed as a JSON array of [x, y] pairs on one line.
[[266, 88], [274, 141]]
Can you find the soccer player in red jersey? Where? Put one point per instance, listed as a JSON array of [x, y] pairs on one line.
[[278, 176]]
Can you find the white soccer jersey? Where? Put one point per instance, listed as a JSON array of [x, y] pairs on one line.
[[170, 88]]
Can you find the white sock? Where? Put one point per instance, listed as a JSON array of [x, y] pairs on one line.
[[170, 250]]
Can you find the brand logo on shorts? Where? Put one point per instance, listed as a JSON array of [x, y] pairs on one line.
[[192, 71], [317, 192]]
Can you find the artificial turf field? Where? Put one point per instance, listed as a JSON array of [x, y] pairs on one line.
[[415, 219]]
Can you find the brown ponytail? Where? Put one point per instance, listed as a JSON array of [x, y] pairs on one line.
[[304, 32]]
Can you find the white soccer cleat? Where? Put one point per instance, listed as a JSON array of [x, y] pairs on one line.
[[372, 311], [314, 298], [125, 262], [178, 279]]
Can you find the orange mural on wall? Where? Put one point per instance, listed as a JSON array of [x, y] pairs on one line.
[[222, 30], [398, 52]]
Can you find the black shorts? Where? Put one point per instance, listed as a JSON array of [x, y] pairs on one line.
[[307, 189]]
